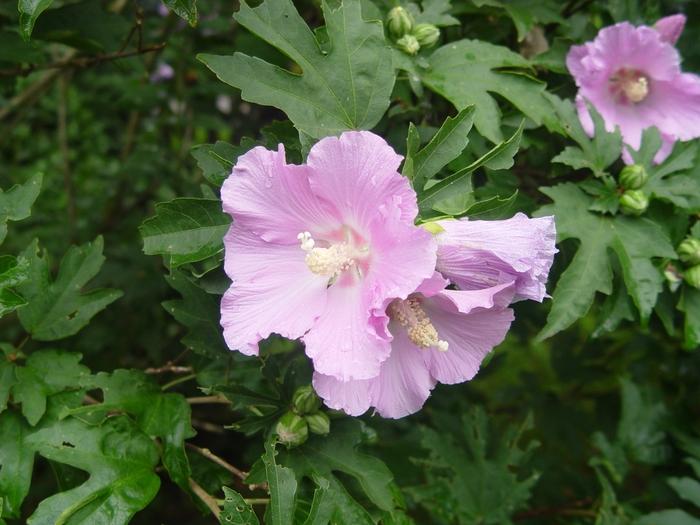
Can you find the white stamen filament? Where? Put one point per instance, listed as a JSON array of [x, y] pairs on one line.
[[420, 330]]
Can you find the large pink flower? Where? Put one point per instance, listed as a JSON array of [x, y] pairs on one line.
[[439, 335], [480, 254], [315, 251], [632, 76]]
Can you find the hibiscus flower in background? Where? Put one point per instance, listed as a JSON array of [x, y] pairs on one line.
[[632, 77], [316, 251]]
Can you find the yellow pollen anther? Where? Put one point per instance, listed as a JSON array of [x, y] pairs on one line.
[[331, 261], [636, 89], [420, 330]]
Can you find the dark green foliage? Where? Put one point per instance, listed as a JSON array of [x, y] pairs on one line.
[[116, 134]]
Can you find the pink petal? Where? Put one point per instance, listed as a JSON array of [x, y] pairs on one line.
[[474, 254], [670, 27], [273, 199], [674, 107], [273, 291], [471, 335], [352, 397], [357, 173], [401, 388], [342, 343], [404, 383]]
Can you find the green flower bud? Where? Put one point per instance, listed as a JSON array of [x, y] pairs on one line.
[[319, 423], [689, 250], [399, 21], [292, 430], [408, 44], [633, 177], [426, 34], [692, 276], [305, 400], [634, 202]]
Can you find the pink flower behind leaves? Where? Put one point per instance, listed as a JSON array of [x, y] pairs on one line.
[[439, 335], [632, 76], [315, 251], [480, 254]]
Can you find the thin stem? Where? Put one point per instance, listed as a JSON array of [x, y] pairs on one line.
[[208, 400], [177, 381], [169, 367], [207, 426], [206, 498], [219, 461], [78, 62]]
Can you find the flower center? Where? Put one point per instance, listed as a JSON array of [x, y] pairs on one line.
[[409, 314], [629, 85], [332, 260]]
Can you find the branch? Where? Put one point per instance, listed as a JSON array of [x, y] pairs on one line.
[[169, 367], [78, 62], [206, 498], [219, 461]]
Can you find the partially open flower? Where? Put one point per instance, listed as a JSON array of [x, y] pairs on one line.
[[632, 76]]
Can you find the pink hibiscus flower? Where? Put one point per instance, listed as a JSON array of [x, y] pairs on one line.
[[480, 254], [316, 251], [439, 335], [632, 76]]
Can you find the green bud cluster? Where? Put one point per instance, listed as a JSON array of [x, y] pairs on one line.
[[408, 35], [634, 202], [689, 253], [305, 416]]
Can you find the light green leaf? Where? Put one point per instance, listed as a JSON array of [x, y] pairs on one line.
[[29, 11], [186, 9], [590, 270], [16, 464], [283, 488], [345, 84], [199, 312], [237, 511], [436, 12], [687, 488], [46, 373], [445, 146], [595, 154], [120, 461], [690, 305], [466, 72], [58, 309], [13, 271], [16, 203], [162, 415], [459, 183], [186, 229]]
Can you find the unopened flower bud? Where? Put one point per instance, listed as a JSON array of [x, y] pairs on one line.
[[318, 423], [634, 202], [399, 21], [633, 177], [426, 34], [692, 276], [292, 430], [689, 250], [408, 44], [305, 400]]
